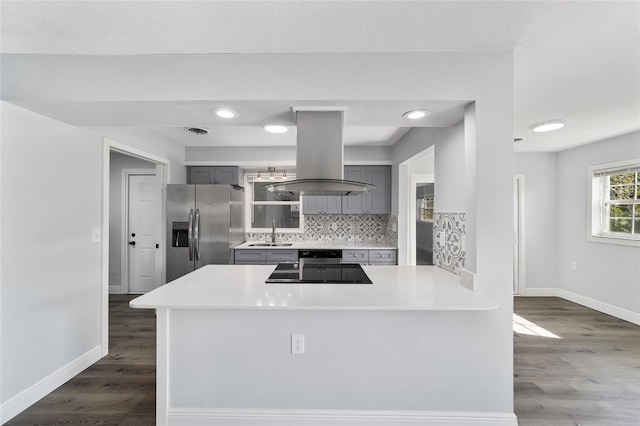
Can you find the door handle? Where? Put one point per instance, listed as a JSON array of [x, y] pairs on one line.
[[196, 235], [190, 235], [132, 243]]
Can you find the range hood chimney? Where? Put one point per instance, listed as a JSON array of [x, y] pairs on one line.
[[320, 156]]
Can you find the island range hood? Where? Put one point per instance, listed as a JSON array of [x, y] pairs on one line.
[[320, 156]]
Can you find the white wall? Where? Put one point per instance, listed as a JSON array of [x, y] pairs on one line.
[[152, 143], [449, 170], [51, 292], [116, 244], [482, 77], [541, 232], [51, 270], [606, 273]]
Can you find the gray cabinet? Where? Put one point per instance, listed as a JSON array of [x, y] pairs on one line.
[[370, 257], [316, 204], [275, 256], [264, 256], [383, 257], [355, 256], [225, 175], [376, 201], [250, 257]]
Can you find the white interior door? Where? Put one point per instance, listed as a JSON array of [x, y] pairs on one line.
[[141, 233]]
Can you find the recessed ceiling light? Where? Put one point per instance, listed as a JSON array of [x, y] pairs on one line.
[[416, 114], [548, 126], [225, 113], [275, 128]]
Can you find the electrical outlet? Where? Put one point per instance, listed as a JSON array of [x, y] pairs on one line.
[[297, 344], [574, 266]]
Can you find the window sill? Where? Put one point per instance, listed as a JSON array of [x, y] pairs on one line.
[[278, 231], [610, 239]]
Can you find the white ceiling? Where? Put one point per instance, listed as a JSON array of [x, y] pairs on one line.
[[577, 60]]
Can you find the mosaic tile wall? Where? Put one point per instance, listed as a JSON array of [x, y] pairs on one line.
[[343, 229], [449, 241]]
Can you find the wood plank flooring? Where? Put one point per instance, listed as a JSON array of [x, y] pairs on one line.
[[590, 376], [119, 390]]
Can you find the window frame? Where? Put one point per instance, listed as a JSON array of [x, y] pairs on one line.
[[249, 202], [598, 200]]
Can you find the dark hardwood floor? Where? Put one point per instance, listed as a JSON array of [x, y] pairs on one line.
[[588, 376], [119, 390]]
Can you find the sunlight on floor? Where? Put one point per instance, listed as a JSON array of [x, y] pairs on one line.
[[523, 326]]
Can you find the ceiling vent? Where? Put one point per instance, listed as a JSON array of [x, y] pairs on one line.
[[197, 130]]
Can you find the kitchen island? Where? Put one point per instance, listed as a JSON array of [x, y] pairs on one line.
[[406, 349]]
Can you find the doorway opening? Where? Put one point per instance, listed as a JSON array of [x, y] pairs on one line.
[[424, 223], [415, 172], [125, 170], [122, 165]]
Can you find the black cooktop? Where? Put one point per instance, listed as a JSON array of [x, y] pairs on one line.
[[319, 273]]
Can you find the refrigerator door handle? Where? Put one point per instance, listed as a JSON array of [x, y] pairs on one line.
[[196, 235], [190, 235]]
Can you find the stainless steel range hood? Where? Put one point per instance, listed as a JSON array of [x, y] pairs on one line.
[[320, 156]]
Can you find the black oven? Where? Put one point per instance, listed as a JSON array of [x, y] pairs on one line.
[[319, 256]]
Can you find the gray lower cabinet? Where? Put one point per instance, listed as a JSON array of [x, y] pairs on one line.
[[250, 257], [264, 256], [383, 257], [376, 201], [222, 175], [275, 256], [370, 257], [355, 256]]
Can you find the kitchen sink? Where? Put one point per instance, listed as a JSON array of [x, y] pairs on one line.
[[270, 244]]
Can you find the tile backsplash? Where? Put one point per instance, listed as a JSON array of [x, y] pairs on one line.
[[449, 241], [344, 229]]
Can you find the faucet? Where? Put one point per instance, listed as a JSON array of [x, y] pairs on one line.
[[273, 231]]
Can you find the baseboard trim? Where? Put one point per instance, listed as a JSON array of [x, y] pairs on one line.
[[223, 417], [115, 289], [540, 292], [597, 305], [33, 394]]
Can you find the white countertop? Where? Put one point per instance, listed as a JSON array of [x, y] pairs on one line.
[[316, 245], [244, 287]]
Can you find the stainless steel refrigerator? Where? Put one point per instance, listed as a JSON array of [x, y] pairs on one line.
[[204, 223]]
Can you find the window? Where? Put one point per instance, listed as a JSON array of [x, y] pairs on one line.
[[267, 208], [425, 209], [424, 202], [615, 196]]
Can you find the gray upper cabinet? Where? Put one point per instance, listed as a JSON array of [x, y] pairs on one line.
[[321, 204], [376, 201], [225, 175]]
